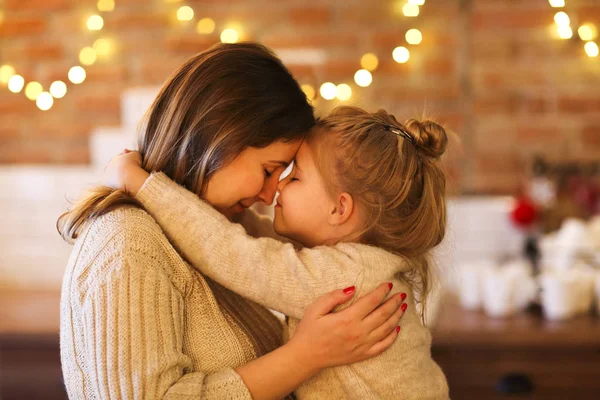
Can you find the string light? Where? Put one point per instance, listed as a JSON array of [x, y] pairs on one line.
[[102, 47], [565, 32], [410, 10], [562, 19], [6, 71], [401, 54], [414, 36], [229, 36], [369, 62], [16, 83], [363, 78], [58, 89], [185, 13], [328, 91], [106, 5], [417, 2], [587, 32], [95, 23], [33, 90], [309, 91], [205, 26], [591, 49], [344, 92], [87, 56], [44, 101], [77, 75]]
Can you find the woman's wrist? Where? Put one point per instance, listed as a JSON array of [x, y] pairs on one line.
[[303, 358], [134, 178]]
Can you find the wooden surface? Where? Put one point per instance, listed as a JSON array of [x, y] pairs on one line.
[[29, 311], [560, 358], [456, 326]]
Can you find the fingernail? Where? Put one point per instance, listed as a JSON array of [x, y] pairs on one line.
[[390, 285], [404, 307], [397, 329], [349, 290], [403, 296]]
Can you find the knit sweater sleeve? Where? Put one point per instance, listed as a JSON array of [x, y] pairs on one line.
[[133, 327], [264, 270]]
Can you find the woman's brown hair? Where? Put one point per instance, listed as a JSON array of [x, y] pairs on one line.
[[392, 170], [217, 104]]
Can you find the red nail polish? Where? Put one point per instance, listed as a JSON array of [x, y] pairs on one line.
[[403, 296], [349, 290], [397, 329], [403, 307], [390, 285]]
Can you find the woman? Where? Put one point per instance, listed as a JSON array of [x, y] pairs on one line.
[[136, 320]]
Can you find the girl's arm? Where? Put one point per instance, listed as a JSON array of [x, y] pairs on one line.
[[264, 270]]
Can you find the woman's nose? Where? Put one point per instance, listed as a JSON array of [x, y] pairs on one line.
[[267, 195]]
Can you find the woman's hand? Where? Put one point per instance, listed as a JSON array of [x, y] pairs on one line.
[[125, 172], [361, 331]]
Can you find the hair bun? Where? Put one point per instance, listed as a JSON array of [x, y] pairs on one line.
[[430, 138]]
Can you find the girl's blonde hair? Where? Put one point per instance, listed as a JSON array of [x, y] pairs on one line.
[[218, 103], [393, 172]]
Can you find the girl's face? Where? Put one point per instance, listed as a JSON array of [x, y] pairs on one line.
[[304, 207], [251, 177]]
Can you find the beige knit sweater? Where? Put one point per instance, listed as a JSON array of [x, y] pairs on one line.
[[137, 322], [278, 276]]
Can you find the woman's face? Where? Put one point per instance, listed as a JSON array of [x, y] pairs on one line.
[[251, 177]]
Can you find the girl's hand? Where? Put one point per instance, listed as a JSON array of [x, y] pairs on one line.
[[124, 172], [361, 331]]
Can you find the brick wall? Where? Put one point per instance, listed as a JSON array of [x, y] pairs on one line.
[[490, 69]]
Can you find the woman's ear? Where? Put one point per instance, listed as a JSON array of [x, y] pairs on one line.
[[342, 210]]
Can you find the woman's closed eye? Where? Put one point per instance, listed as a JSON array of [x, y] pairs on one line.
[[268, 173]]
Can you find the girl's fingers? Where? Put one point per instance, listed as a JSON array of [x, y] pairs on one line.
[[384, 329]]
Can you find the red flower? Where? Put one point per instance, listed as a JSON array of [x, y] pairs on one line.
[[524, 213]]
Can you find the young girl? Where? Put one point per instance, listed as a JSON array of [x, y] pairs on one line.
[[366, 199]]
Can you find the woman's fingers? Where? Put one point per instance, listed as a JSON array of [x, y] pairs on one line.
[[383, 345], [382, 330], [324, 304], [380, 315], [369, 302]]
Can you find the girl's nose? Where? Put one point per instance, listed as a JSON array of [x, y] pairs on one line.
[[283, 182]]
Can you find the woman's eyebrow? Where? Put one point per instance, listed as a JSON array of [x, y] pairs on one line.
[[282, 163]]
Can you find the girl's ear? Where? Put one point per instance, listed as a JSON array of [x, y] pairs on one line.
[[342, 210]]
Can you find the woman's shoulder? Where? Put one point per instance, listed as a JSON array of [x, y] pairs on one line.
[[127, 237]]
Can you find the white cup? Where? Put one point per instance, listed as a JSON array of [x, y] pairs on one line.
[[566, 294], [508, 289], [470, 284]]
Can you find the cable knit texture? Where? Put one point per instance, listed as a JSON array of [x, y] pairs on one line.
[[137, 322], [277, 276]]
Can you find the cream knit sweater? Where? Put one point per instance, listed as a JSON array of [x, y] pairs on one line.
[[137, 322], [278, 276]]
